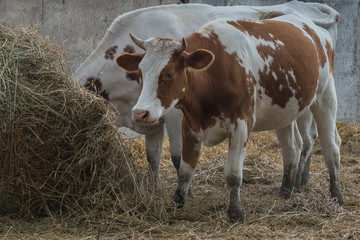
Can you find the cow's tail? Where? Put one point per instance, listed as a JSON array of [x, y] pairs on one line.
[[333, 16]]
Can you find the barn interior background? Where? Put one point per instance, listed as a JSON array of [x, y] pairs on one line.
[[78, 26]]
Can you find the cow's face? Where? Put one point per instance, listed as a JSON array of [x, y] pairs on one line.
[[162, 69]]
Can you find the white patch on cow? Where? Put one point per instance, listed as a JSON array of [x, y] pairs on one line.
[[158, 54], [237, 150], [272, 36], [279, 43], [185, 168], [274, 76], [291, 72], [249, 79], [172, 105], [215, 134], [183, 89], [188, 173], [272, 116], [292, 75]]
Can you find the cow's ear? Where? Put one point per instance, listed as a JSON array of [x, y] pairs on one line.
[[129, 61], [200, 59]]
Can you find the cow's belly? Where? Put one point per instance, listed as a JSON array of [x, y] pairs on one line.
[[270, 116], [215, 134]]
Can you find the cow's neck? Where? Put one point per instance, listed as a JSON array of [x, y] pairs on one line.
[[197, 104]]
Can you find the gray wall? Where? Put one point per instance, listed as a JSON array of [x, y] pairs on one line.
[[78, 26]]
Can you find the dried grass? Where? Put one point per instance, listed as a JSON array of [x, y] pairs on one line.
[[311, 214]]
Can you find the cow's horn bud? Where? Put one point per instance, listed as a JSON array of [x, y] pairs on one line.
[[181, 48], [139, 42]]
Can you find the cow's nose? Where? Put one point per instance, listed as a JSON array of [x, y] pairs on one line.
[[141, 115]]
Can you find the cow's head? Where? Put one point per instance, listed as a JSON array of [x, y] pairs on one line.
[[162, 69]]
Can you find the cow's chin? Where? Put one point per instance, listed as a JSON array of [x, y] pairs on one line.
[[150, 122]]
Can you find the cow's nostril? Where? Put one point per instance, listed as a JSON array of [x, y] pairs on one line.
[[141, 115]]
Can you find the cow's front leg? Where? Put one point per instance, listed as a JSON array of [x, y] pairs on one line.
[[173, 122], [291, 144], [234, 167], [154, 143], [190, 155]]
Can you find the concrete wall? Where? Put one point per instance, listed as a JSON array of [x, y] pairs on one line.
[[78, 26]]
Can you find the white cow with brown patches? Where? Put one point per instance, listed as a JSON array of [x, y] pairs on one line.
[[234, 77], [100, 73]]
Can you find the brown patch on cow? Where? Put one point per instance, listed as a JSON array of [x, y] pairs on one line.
[[94, 84], [129, 49], [295, 62], [330, 54], [110, 53], [337, 18], [319, 48], [133, 76]]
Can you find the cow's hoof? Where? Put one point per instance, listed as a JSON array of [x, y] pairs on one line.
[[336, 193], [179, 199], [235, 215]]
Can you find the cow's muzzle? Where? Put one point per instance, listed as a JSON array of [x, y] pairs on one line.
[[141, 116]]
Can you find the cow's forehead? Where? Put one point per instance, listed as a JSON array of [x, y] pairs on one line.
[[158, 53]]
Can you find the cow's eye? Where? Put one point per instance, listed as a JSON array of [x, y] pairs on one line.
[[169, 75]]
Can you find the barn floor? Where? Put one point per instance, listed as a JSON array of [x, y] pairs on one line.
[[310, 214]]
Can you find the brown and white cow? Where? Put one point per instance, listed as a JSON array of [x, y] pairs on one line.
[[100, 73], [234, 77]]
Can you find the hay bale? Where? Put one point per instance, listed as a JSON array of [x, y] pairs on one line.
[[59, 151]]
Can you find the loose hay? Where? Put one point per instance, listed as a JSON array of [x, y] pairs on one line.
[[311, 214], [59, 150]]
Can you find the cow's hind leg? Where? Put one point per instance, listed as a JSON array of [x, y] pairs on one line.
[[233, 169], [291, 144], [308, 132], [154, 142], [324, 111]]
